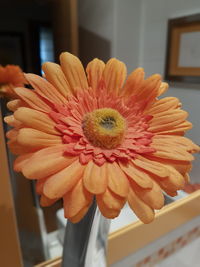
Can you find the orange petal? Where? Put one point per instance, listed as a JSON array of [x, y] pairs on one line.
[[36, 139], [152, 197], [168, 116], [180, 141], [106, 212], [45, 89], [177, 129], [46, 162], [111, 201], [33, 100], [21, 161], [62, 182], [79, 215], [76, 200], [170, 193], [142, 210], [163, 88], [114, 75], [137, 175], [17, 149], [186, 178], [46, 202], [54, 74], [167, 120], [11, 120], [134, 81], [174, 182], [94, 72], [149, 88], [74, 71], [163, 105], [181, 166], [12, 134], [171, 152], [39, 185], [117, 180], [95, 178], [15, 104], [36, 119], [151, 166]]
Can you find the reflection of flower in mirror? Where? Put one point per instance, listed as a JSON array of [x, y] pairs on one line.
[[101, 136], [11, 76]]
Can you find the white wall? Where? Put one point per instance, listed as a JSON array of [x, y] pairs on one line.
[[127, 32], [155, 14], [116, 21], [98, 17]]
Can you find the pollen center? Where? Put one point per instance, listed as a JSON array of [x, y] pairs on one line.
[[104, 127]]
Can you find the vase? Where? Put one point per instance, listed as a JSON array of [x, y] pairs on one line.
[[85, 242]]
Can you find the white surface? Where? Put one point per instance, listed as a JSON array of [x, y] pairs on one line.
[[148, 250], [54, 245], [186, 257], [126, 42], [97, 17], [189, 50], [125, 218], [116, 21]]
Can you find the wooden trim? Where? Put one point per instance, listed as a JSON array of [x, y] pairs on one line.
[[10, 254], [50, 263], [175, 40], [137, 235], [74, 27], [65, 25]]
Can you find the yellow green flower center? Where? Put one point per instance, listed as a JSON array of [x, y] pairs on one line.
[[104, 127]]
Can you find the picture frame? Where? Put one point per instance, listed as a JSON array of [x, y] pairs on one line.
[[12, 49], [183, 49]]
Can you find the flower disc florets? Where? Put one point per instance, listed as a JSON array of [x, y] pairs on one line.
[[104, 127]]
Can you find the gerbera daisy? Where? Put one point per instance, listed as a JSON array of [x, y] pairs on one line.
[[100, 136], [11, 76]]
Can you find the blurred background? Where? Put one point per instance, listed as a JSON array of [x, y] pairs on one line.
[[134, 31]]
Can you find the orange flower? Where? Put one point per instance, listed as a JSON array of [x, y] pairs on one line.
[[11, 76], [96, 136]]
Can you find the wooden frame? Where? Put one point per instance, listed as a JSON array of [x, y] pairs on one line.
[[168, 219], [10, 253], [182, 50]]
